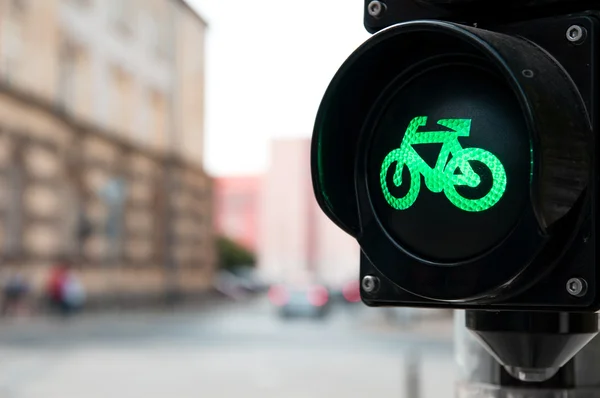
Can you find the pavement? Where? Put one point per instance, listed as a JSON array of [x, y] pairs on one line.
[[429, 324], [227, 351]]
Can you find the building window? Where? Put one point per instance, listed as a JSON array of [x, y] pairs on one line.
[[160, 34], [121, 15], [67, 75], [121, 115], [69, 220], [82, 3], [14, 211], [236, 202], [159, 118], [74, 78], [12, 43], [114, 196], [143, 130], [18, 6], [233, 226]]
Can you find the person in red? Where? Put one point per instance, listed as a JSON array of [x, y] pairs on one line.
[[54, 288]]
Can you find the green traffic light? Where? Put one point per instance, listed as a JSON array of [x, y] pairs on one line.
[[442, 177]]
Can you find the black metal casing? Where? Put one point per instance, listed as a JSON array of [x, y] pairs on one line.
[[542, 283], [483, 12]]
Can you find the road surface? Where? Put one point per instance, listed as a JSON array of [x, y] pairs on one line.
[[231, 350]]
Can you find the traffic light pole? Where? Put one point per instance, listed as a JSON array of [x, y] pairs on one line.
[[479, 375]]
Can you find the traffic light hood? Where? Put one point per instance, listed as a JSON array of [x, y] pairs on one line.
[[387, 56], [490, 136]]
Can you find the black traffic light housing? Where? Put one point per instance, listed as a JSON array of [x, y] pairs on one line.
[[485, 12], [458, 147], [529, 89]]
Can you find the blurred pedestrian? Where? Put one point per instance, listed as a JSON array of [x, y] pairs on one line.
[[56, 278], [15, 291], [65, 292], [73, 293]]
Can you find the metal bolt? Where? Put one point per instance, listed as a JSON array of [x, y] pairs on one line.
[[370, 284], [528, 73], [376, 8], [577, 287], [576, 34]]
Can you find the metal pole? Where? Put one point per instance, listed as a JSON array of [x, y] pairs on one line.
[[412, 370], [173, 153], [481, 376], [170, 261]]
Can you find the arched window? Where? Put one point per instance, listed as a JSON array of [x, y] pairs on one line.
[[13, 212]]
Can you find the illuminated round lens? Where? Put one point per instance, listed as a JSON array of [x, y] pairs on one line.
[[449, 164]]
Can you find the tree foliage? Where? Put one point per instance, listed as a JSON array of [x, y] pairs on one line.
[[232, 255]]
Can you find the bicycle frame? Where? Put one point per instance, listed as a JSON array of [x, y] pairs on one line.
[[436, 178]]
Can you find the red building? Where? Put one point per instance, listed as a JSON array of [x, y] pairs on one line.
[[297, 241], [236, 209]]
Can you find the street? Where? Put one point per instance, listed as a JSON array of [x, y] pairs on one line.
[[229, 350]]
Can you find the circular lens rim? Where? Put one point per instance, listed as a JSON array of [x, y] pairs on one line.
[[379, 108]]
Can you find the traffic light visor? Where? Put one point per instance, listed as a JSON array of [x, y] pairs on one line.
[[446, 143]]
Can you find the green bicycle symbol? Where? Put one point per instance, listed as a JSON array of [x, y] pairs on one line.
[[442, 177]]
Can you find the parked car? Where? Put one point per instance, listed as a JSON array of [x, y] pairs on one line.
[[351, 292], [231, 285], [251, 280], [300, 301]]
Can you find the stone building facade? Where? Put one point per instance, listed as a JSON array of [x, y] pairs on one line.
[[101, 141]]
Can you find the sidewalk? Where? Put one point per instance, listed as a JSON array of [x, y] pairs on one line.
[[45, 327], [436, 326]]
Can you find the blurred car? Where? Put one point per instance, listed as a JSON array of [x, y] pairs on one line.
[[351, 292], [231, 285], [336, 295], [300, 301], [250, 279]]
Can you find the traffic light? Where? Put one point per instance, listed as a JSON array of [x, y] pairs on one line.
[[457, 145]]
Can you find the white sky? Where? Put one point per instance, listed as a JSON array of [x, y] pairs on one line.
[[268, 65]]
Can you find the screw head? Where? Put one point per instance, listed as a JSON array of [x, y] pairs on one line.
[[376, 8], [577, 287], [576, 34], [370, 284], [528, 73]]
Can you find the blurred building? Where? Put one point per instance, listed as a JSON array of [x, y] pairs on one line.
[[297, 241], [101, 142], [236, 204]]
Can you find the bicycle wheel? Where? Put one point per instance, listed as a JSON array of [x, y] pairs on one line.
[[498, 179], [402, 203]]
